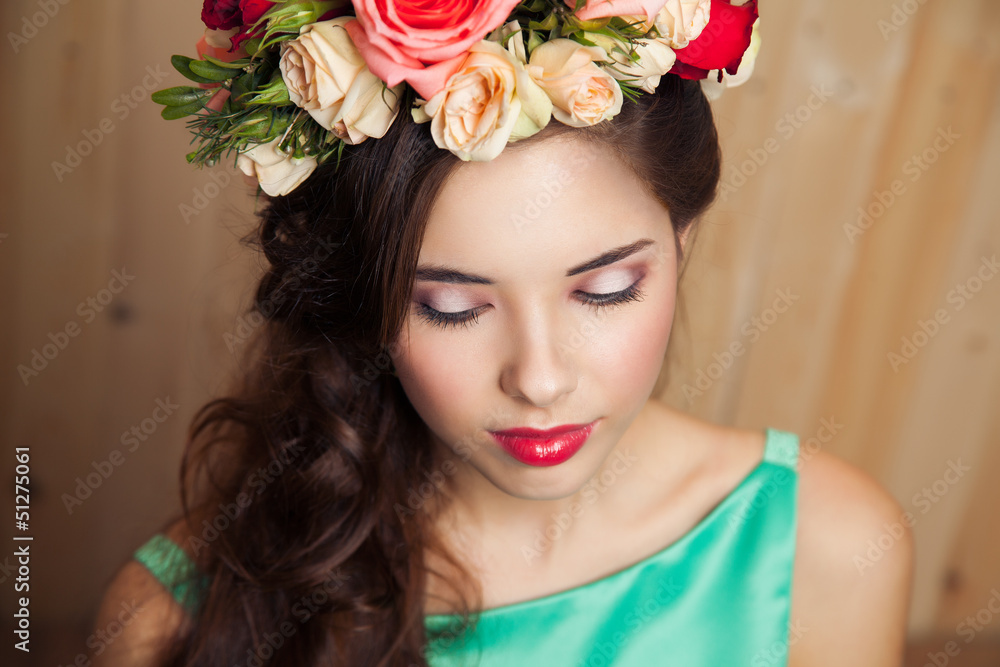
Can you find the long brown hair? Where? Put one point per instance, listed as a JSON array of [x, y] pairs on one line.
[[297, 487]]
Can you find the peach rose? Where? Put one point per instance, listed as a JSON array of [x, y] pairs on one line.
[[423, 43], [277, 172], [326, 75], [488, 101], [581, 92]]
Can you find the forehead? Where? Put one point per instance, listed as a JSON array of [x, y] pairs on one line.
[[535, 211]]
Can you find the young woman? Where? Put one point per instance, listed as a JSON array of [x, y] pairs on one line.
[[445, 450]]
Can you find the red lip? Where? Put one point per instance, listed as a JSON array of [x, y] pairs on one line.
[[527, 432], [544, 448]]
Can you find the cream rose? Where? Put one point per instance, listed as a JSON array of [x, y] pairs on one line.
[[655, 60], [277, 173], [488, 101], [681, 21], [326, 75], [581, 92], [368, 109]]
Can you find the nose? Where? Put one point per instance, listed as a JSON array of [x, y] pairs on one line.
[[540, 367]]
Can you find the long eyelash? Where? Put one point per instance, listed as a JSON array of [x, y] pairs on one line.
[[469, 317], [615, 299], [444, 320]]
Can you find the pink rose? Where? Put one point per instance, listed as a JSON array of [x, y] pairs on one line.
[[422, 43], [599, 9]]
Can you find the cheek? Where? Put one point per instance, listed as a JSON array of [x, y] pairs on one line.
[[629, 353], [440, 380]]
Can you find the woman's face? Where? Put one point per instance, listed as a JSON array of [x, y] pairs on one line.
[[501, 333]]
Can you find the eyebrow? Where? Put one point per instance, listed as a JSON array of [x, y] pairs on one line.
[[444, 274]]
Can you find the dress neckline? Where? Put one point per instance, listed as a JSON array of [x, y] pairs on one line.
[[720, 507]]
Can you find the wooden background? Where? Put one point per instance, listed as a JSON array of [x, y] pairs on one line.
[[842, 114]]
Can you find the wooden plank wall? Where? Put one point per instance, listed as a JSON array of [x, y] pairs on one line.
[[844, 96]]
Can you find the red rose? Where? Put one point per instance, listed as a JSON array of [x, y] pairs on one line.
[[721, 44], [253, 10], [222, 14]]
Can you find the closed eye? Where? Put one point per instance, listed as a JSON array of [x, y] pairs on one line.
[[469, 317]]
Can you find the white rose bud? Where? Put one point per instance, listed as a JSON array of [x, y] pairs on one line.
[[278, 173], [655, 60]]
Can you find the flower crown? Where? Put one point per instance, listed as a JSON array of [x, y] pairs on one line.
[[287, 83]]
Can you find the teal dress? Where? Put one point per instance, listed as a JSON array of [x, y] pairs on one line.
[[717, 597]]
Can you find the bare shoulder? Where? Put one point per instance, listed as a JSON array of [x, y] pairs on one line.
[[137, 615], [853, 568]]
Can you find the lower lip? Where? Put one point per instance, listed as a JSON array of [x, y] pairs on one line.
[[545, 451]]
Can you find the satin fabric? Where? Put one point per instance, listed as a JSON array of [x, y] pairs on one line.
[[717, 597]]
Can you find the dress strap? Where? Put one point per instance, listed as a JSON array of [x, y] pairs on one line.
[[782, 448], [171, 565]]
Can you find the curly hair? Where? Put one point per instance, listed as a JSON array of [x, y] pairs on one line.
[[292, 484]]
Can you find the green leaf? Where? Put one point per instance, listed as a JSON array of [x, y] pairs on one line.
[[175, 112], [548, 23], [183, 65], [252, 45], [236, 64], [179, 96], [213, 73], [534, 41]]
